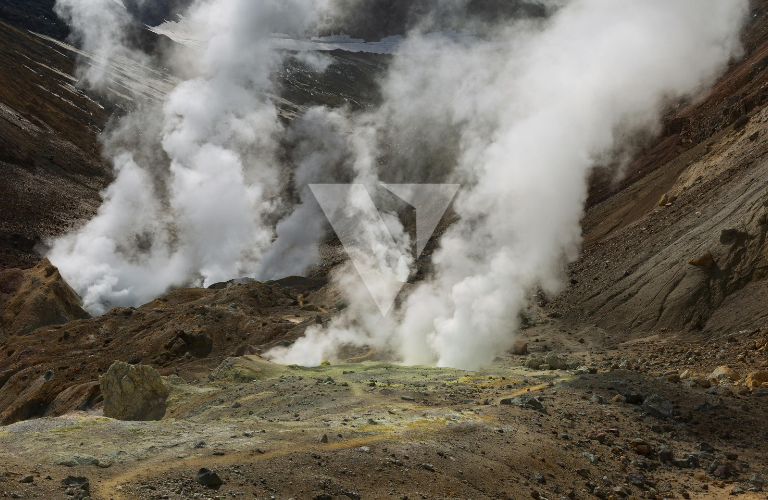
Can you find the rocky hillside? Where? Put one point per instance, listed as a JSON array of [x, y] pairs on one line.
[[679, 244]]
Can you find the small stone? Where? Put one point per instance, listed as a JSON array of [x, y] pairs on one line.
[[706, 447], [534, 361], [540, 478], [725, 372], [640, 447], [705, 260], [757, 378], [737, 490], [524, 400], [636, 479], [673, 379], [658, 406], [701, 382], [428, 467], [27, 479], [618, 398], [554, 361], [596, 399], [208, 478], [520, 348], [323, 438], [77, 483]]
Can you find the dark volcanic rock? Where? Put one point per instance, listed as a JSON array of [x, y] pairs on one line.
[[208, 478], [657, 406]]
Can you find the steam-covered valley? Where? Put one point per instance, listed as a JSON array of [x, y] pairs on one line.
[[182, 315]]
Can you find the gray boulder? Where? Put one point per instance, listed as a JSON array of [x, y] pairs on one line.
[[658, 406], [133, 392], [534, 361], [554, 361]]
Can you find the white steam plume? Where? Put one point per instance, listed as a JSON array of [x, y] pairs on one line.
[[196, 177], [533, 110], [518, 120], [100, 28]]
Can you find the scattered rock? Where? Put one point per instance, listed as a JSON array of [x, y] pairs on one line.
[[208, 478], [706, 447], [706, 261], [725, 372], [658, 406], [520, 348], [534, 361], [673, 379], [554, 361], [323, 438], [741, 122], [525, 401], [701, 382], [633, 398], [27, 479], [757, 378], [596, 399], [133, 392], [636, 479], [640, 447], [77, 483]]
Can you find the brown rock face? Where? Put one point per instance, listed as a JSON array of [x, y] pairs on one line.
[[75, 398], [133, 392], [34, 298]]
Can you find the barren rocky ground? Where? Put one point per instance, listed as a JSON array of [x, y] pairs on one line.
[[643, 425]]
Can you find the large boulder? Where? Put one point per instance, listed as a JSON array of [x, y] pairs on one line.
[[37, 297], [133, 392]]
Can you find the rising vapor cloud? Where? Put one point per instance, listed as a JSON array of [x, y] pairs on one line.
[[518, 118], [532, 110]]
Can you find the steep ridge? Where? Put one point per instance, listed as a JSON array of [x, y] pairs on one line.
[[701, 190], [50, 167]]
